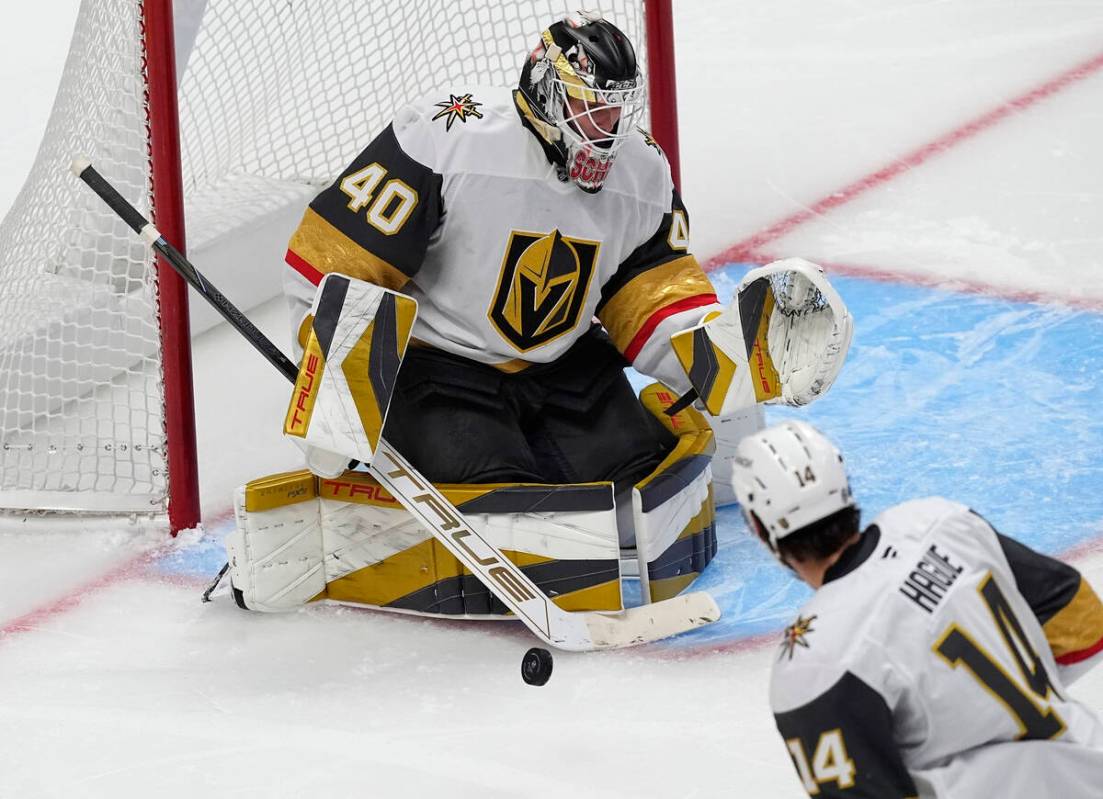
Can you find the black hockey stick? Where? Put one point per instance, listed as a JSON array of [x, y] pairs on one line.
[[84, 170], [578, 631]]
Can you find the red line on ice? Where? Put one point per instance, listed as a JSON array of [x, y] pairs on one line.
[[748, 249], [952, 284], [32, 620], [134, 568]]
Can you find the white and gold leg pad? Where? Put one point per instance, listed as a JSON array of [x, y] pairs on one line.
[[674, 511], [301, 538]]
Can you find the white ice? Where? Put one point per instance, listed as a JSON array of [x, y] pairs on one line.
[[118, 683]]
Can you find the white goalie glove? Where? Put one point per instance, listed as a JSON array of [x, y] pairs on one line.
[[783, 340]]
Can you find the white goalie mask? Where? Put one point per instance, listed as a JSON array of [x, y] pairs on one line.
[[583, 96], [789, 476]]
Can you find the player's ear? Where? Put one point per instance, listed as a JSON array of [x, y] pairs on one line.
[[759, 529]]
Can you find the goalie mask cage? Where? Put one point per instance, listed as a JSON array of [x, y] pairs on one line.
[[233, 107]]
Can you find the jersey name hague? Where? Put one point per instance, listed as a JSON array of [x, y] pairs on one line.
[[923, 640]]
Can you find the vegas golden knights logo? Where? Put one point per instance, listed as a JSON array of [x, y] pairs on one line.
[[542, 287]]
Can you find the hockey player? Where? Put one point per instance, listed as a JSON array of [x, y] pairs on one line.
[[934, 658], [515, 218]]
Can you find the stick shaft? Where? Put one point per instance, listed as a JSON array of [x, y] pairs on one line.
[[183, 267]]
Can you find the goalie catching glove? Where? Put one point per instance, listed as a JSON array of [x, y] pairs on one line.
[[783, 340], [355, 345]]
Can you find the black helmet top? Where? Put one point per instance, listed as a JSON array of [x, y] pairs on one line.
[[581, 93]]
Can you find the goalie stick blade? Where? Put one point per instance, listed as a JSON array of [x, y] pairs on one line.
[[647, 623]]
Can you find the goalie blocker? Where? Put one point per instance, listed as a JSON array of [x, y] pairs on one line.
[[355, 339], [301, 538]]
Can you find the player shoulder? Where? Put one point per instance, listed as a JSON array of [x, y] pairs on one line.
[[459, 123], [827, 639], [642, 170], [918, 519]]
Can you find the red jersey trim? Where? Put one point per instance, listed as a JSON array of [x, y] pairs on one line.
[[656, 318], [296, 262], [1069, 658]]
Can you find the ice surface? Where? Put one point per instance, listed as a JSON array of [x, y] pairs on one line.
[[117, 682]]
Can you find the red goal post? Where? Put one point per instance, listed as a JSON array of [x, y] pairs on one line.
[[231, 115]]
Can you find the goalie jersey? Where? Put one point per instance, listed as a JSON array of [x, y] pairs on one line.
[[456, 205], [934, 662]]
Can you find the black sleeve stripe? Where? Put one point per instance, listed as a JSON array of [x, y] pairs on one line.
[[856, 711], [1069, 611], [1047, 584], [405, 248]]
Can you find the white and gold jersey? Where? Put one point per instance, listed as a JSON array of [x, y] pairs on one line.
[[456, 205], [934, 662]]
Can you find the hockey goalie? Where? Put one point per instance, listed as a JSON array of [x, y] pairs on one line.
[[473, 286]]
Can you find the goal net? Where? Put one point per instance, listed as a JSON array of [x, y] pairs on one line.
[[275, 97]]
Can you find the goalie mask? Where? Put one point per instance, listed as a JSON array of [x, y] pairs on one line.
[[787, 477], [581, 94]]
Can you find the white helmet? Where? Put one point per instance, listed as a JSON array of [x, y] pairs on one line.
[[789, 476]]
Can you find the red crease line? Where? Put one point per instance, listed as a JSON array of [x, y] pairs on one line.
[[35, 618], [957, 284]]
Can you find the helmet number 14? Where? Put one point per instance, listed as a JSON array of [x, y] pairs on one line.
[[806, 478]]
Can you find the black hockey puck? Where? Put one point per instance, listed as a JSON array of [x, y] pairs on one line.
[[536, 666]]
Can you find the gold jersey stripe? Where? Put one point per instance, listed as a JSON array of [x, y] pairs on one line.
[[627, 311], [1078, 625], [327, 249]]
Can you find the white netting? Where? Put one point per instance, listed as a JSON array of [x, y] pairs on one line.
[[276, 97], [80, 389]]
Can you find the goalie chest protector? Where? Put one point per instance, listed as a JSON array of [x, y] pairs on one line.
[[456, 205]]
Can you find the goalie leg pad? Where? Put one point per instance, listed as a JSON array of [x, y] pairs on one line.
[[673, 507], [355, 345], [374, 553], [276, 554]]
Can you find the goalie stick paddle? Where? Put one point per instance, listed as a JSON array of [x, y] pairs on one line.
[[578, 630]]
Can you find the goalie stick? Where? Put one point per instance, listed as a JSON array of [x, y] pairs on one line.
[[575, 631]]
